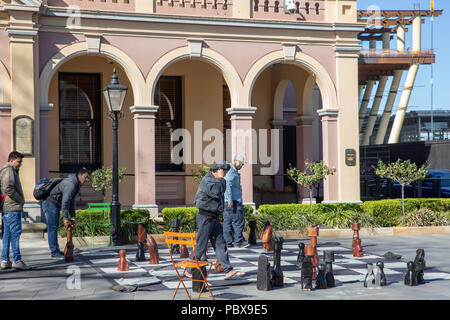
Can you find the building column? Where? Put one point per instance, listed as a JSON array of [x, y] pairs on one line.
[[25, 98], [44, 165], [305, 151], [279, 178], [365, 102], [144, 159], [5, 131], [409, 83], [242, 143], [374, 110]]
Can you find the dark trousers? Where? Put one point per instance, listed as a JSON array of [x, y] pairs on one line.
[[212, 230], [234, 223]]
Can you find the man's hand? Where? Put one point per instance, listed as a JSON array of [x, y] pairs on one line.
[[69, 223], [220, 173], [230, 205]]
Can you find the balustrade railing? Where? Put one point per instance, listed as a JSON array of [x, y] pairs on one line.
[[313, 10], [215, 8]]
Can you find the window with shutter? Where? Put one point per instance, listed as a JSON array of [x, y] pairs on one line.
[[168, 118], [79, 121]]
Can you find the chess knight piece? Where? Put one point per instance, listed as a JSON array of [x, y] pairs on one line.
[[277, 273], [307, 273], [264, 277], [123, 263], [328, 257], [419, 261], [140, 254], [68, 250], [267, 237], [411, 276], [321, 282], [252, 234], [153, 250], [175, 223], [358, 252], [301, 252], [380, 266], [218, 267], [355, 228], [310, 252]]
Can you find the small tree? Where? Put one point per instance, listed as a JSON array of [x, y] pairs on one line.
[[314, 173], [102, 178], [403, 172]]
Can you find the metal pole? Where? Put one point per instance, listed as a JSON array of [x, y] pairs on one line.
[[432, 76], [115, 205]]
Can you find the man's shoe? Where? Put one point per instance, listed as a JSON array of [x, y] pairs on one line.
[[244, 245], [20, 265], [58, 255], [230, 245], [6, 265]]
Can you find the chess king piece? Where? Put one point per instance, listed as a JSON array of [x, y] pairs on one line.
[[252, 234], [419, 261], [411, 276], [380, 266], [369, 280], [267, 237], [68, 250], [307, 273], [153, 250], [355, 228], [321, 281], [198, 286], [328, 257], [264, 276], [218, 267], [184, 252], [301, 252], [140, 254], [358, 252], [277, 273], [175, 224], [310, 252], [123, 263]]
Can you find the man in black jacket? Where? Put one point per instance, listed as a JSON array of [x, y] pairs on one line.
[[210, 203], [62, 197]]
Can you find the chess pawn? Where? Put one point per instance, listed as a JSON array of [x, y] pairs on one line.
[[140, 254], [419, 261], [355, 228], [301, 252], [123, 263], [252, 234], [380, 266], [68, 250], [218, 267], [369, 280], [175, 224], [264, 277], [411, 276], [267, 237], [184, 252], [328, 257], [153, 250], [198, 286], [358, 252], [277, 273], [321, 282], [307, 273]]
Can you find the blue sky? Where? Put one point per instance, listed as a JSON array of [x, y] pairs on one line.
[[421, 95]]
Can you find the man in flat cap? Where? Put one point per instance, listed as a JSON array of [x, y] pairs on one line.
[[233, 216], [210, 203]]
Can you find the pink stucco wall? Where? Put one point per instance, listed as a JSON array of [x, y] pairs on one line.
[[119, 5], [4, 49]]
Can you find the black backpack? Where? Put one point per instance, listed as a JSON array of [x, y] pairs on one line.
[[2, 196], [44, 186]]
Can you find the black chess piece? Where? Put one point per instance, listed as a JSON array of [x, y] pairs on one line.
[[419, 261], [264, 277], [328, 257], [196, 275], [307, 273], [321, 281], [301, 252], [369, 280], [380, 266], [140, 254], [411, 276], [252, 234], [175, 223], [277, 273], [204, 257]]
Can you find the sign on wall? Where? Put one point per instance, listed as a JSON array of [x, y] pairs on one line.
[[23, 135], [350, 157]]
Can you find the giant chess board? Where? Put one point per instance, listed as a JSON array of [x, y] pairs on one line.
[[346, 268]]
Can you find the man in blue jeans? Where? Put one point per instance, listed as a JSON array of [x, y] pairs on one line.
[[233, 216], [12, 211], [62, 198]]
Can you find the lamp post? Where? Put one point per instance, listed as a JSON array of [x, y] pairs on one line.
[[114, 95]]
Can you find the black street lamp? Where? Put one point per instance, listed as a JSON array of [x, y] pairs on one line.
[[114, 95]]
